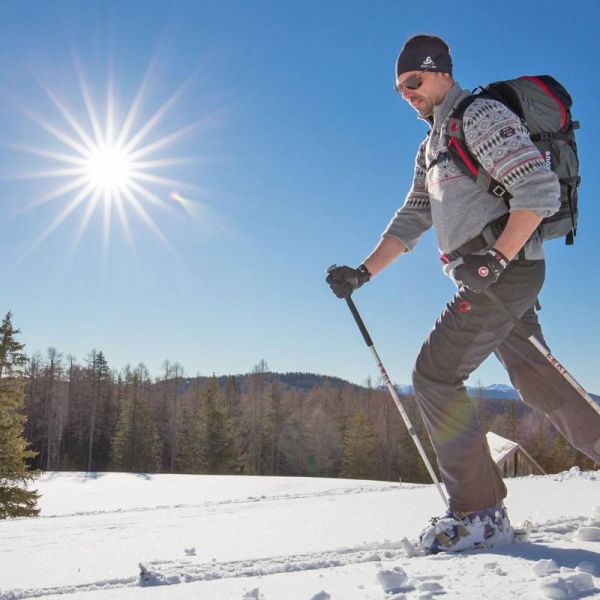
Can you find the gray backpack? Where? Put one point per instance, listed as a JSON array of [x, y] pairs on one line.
[[544, 106]]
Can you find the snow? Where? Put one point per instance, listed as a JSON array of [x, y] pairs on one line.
[[392, 580], [261, 538]]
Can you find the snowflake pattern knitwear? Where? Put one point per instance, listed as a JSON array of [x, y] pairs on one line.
[[455, 205], [501, 144]]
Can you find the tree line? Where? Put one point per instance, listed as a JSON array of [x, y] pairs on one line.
[[87, 416]]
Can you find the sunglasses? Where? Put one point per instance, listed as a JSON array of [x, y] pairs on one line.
[[413, 82]]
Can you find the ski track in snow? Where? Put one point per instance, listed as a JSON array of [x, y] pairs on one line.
[[237, 501], [555, 582]]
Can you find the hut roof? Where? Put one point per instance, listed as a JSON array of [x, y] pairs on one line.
[[502, 448]]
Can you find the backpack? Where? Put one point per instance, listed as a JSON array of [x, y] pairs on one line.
[[543, 105]]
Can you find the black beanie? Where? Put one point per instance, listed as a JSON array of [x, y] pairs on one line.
[[424, 53]]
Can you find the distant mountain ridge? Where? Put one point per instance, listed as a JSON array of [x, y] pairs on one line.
[[307, 381], [291, 380], [496, 391]]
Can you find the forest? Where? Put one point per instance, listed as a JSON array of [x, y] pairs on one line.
[[87, 416], [61, 414]]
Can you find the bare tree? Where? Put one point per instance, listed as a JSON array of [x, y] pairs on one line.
[[54, 415], [176, 374]]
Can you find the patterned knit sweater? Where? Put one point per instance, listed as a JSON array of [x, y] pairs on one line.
[[455, 205]]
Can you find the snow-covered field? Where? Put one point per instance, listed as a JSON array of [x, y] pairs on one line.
[[243, 538]]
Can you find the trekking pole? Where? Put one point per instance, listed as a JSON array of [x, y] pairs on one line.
[[542, 349], [395, 396]]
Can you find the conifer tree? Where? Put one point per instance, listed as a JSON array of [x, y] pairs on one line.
[[561, 457], [219, 442], [15, 499], [511, 420], [191, 447], [99, 375], [359, 460], [136, 445]]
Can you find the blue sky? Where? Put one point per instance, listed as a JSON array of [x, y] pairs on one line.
[[303, 154]]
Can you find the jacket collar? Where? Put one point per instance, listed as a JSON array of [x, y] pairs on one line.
[[441, 111]]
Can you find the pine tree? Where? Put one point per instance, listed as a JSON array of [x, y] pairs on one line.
[[561, 457], [34, 408], [219, 446], [99, 374], [540, 443], [136, 445], [108, 413], [190, 452], [15, 499], [75, 445], [359, 449], [511, 420]]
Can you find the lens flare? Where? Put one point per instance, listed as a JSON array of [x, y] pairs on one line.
[[193, 209]]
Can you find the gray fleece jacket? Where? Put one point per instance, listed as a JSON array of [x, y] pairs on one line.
[[454, 204]]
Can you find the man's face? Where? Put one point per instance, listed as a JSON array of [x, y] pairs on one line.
[[426, 93]]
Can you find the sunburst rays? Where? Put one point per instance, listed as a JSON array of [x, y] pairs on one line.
[[101, 165]]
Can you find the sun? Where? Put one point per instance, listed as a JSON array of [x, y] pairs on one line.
[[109, 165], [109, 170]]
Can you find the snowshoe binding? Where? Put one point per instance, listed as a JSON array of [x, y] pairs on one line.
[[457, 531]]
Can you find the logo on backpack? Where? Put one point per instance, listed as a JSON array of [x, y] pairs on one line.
[[507, 132]]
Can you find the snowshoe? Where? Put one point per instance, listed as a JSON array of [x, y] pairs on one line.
[[457, 531]]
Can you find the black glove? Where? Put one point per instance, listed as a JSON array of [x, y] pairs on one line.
[[344, 280], [479, 271]]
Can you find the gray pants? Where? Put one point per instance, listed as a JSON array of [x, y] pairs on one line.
[[467, 332]]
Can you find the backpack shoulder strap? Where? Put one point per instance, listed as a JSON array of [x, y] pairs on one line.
[[459, 152], [455, 124]]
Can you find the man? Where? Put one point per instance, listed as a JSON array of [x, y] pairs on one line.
[[485, 244]]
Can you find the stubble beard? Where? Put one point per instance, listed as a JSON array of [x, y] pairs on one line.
[[426, 110], [424, 107]]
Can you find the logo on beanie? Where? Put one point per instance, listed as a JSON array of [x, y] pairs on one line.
[[428, 64]]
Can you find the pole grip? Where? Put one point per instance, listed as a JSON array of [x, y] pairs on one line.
[[359, 322]]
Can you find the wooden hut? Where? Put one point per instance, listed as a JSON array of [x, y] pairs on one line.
[[512, 458]]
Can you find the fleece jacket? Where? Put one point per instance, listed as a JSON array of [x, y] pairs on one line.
[[458, 209]]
